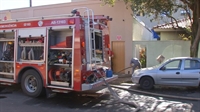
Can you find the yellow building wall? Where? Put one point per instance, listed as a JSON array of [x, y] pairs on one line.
[[169, 36]]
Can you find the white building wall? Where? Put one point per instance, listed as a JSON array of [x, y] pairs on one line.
[[169, 49], [140, 32]]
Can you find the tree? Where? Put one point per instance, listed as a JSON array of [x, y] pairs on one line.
[[168, 7]]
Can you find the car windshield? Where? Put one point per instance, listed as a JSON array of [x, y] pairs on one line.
[[160, 63]]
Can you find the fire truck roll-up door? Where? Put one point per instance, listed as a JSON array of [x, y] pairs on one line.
[[32, 32], [7, 52], [31, 46], [95, 48], [60, 57]]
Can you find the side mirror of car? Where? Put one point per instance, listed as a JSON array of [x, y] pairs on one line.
[[163, 68]]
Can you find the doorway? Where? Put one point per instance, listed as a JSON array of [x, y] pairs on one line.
[[118, 61]]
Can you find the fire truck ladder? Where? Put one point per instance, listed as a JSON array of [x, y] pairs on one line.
[[93, 44], [90, 37]]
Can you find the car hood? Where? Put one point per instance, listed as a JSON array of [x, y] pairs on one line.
[[144, 70]]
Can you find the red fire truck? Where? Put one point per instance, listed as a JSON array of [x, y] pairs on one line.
[[60, 53]]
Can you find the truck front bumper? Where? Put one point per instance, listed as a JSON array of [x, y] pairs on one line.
[[98, 83]]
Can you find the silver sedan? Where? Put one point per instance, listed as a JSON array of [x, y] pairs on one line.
[[178, 71]]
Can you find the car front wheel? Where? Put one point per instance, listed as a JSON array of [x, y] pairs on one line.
[[146, 83]]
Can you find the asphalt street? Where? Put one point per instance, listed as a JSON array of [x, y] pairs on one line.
[[12, 99]]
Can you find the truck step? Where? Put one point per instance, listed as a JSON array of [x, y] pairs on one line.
[[60, 91], [5, 73], [57, 83], [58, 87], [6, 80]]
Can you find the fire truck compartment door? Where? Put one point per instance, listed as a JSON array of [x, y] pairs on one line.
[[32, 32], [98, 83]]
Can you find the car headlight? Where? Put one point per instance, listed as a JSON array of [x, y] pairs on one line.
[[137, 74]]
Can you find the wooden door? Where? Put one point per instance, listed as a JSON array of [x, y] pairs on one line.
[[118, 61]]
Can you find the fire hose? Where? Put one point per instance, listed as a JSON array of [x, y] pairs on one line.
[[156, 94], [124, 69], [23, 53], [115, 95]]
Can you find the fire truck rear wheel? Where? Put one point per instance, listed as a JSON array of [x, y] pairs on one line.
[[31, 83]]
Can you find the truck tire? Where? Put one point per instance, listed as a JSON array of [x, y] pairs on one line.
[[146, 83], [31, 83]]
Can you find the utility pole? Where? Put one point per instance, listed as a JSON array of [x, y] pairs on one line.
[[30, 3]]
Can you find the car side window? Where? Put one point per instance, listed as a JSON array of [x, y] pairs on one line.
[[173, 65], [191, 64]]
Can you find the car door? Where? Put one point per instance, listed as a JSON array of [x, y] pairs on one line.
[[191, 74], [170, 73]]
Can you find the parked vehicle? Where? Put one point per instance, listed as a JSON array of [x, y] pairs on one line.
[[56, 53], [178, 71]]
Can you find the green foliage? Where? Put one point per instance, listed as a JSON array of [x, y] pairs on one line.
[[142, 57], [186, 36], [158, 8], [151, 7], [109, 2]]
